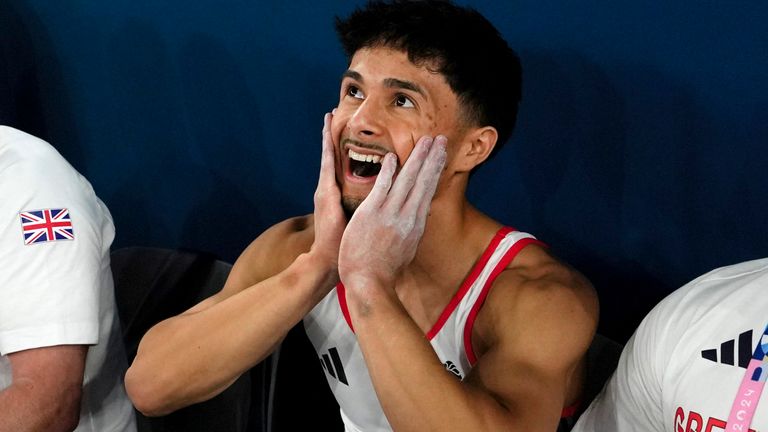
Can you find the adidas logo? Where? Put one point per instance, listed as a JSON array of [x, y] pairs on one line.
[[729, 350], [332, 364], [453, 369]]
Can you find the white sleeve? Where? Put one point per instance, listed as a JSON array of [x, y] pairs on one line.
[[631, 400], [49, 291]]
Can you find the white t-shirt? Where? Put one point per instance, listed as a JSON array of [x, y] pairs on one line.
[[55, 282], [681, 370]]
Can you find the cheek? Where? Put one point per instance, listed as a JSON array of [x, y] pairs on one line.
[[338, 124], [405, 146], [432, 123]]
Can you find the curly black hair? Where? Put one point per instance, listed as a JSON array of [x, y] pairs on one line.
[[458, 42]]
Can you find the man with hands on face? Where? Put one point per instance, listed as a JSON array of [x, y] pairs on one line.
[[426, 314]]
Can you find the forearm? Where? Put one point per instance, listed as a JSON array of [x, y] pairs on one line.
[[415, 390], [193, 357], [24, 408]]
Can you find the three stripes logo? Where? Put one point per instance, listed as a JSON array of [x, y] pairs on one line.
[[729, 351], [451, 367], [332, 364]]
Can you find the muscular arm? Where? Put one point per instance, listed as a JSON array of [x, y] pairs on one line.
[[194, 356], [536, 333], [46, 390], [278, 279], [519, 383]]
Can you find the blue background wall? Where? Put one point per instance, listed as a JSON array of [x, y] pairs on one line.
[[639, 155]]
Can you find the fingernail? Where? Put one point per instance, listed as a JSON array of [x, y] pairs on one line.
[[441, 140], [333, 111]]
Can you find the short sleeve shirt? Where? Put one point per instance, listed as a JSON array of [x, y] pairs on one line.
[[55, 282], [682, 368]]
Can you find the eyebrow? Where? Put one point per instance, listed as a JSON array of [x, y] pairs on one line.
[[352, 74], [405, 85], [388, 82]]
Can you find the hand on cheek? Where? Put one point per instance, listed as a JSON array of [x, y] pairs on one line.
[[382, 236], [329, 217]]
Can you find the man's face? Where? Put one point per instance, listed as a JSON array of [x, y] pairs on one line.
[[386, 104]]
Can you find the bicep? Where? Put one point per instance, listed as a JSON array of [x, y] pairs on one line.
[[532, 367], [50, 367], [46, 388], [531, 394]]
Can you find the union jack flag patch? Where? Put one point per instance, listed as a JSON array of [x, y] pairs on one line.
[[40, 226]]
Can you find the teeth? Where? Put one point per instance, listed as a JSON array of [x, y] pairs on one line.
[[364, 158]]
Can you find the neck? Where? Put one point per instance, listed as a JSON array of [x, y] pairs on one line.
[[455, 232], [454, 237]]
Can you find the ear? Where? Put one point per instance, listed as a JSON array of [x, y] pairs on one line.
[[477, 146]]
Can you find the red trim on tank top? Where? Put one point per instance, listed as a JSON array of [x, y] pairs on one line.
[[503, 263], [476, 270], [570, 411], [471, 278], [341, 294]]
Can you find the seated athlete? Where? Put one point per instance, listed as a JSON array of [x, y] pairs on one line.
[[426, 313]]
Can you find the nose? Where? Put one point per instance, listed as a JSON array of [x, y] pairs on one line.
[[366, 121]]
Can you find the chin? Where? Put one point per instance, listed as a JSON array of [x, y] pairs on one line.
[[350, 204]]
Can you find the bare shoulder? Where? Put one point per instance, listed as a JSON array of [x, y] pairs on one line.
[[541, 276], [545, 299], [532, 333], [271, 252]]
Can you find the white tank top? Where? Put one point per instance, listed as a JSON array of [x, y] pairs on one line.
[[329, 328]]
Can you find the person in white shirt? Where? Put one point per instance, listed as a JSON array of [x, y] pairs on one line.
[[682, 369], [61, 355]]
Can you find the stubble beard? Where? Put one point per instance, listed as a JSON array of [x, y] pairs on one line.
[[350, 204]]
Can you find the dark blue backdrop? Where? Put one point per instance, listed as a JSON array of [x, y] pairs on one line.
[[639, 155]]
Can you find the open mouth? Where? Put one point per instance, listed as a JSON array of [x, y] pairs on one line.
[[361, 165]]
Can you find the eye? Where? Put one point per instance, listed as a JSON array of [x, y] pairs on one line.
[[354, 92], [404, 101]]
